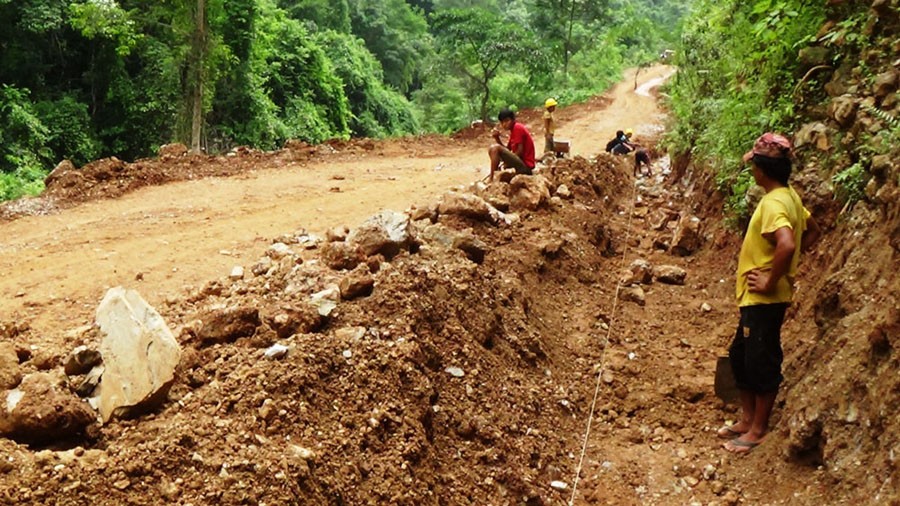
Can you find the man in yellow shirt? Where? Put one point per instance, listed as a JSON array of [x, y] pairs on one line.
[[549, 125], [779, 229]]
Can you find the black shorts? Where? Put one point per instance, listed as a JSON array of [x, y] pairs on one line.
[[755, 353]]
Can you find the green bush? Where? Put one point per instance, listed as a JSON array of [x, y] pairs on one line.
[[850, 183]]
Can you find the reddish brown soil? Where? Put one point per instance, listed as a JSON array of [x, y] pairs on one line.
[[533, 327]]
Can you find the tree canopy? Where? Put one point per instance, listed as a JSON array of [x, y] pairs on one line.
[[82, 79]]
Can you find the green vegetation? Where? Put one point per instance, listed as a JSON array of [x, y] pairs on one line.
[[738, 69], [83, 79]]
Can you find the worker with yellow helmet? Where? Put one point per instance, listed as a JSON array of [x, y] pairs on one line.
[[549, 124]]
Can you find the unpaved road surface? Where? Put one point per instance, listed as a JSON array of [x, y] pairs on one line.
[[161, 239]]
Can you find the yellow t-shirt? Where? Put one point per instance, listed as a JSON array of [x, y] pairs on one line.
[[549, 124], [779, 208]]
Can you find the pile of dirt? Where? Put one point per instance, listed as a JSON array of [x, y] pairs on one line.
[[450, 383]]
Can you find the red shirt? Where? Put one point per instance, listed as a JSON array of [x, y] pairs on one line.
[[519, 136]]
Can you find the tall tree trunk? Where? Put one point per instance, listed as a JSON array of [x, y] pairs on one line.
[[567, 47], [199, 51]]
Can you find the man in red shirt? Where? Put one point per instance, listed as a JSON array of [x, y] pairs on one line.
[[519, 151]]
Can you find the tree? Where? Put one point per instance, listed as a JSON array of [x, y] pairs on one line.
[[478, 43]]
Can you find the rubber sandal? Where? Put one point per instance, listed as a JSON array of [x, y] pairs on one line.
[[739, 446], [726, 432]]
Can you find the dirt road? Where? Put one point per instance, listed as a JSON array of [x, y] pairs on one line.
[[57, 267]]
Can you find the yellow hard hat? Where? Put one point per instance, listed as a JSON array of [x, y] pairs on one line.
[[550, 102], [629, 132]]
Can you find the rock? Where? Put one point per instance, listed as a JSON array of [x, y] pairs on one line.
[[237, 273], [706, 308], [528, 192], [468, 206], [552, 247], [326, 300], [464, 240], [641, 271], [499, 202], [41, 411], [812, 56], [173, 150], [563, 191], [228, 325], [337, 234], [58, 171], [885, 83], [815, 134], [658, 220], [386, 233], [81, 360], [276, 351], [559, 485], [88, 385], [687, 237], [670, 274], [456, 372], [633, 294], [882, 166], [843, 109], [139, 352], [341, 255], [358, 283], [262, 266], [293, 319], [278, 251], [267, 410], [429, 213], [10, 374]]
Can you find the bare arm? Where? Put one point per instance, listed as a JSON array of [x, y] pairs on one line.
[[765, 281], [811, 236]]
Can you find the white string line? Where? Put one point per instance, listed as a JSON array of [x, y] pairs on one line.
[[612, 320]]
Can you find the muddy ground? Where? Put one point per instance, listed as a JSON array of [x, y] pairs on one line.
[[461, 378]]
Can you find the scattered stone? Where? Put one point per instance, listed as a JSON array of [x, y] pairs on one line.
[[885, 83], [813, 134], [341, 255], [552, 247], [429, 213], [347, 354], [559, 485], [358, 283], [276, 351], [228, 325], [464, 240], [709, 472], [267, 410], [81, 360], [386, 233], [641, 271], [10, 374], [843, 109], [528, 192], [326, 301], [303, 453], [687, 238], [262, 266], [139, 352], [564, 192], [41, 411], [299, 318], [237, 273], [278, 251], [633, 294], [468, 206], [670, 274], [90, 382], [337, 234], [705, 307], [456, 372]]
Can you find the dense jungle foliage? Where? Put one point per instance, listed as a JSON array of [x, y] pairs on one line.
[[780, 65], [83, 79]]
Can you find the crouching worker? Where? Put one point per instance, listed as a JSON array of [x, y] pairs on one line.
[[779, 230], [623, 145], [518, 153]]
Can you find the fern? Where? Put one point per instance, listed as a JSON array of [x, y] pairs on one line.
[[892, 121]]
